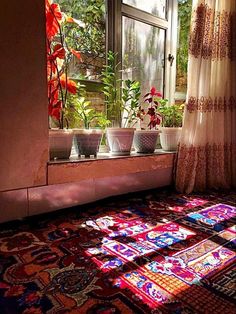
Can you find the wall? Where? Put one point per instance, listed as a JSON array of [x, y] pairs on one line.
[[23, 90], [24, 129]]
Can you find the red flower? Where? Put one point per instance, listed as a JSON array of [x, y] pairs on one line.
[[154, 92]]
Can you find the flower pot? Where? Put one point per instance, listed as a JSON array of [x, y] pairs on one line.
[[87, 141], [120, 140], [145, 140], [169, 138], [60, 142]]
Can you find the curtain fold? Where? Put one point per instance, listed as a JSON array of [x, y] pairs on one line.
[[206, 156]]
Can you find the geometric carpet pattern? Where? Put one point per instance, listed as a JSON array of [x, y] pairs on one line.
[[153, 252]]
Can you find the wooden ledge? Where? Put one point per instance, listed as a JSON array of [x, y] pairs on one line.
[[60, 172]]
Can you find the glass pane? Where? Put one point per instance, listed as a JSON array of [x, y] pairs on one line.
[[143, 50], [155, 7], [86, 35], [184, 17]]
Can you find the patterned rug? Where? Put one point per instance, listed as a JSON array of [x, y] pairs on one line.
[[152, 252]]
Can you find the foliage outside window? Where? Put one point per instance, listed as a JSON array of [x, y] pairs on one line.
[[89, 39], [184, 17]]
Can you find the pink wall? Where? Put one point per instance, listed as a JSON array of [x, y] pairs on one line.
[[23, 95], [24, 131]]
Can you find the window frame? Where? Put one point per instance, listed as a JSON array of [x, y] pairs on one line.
[[116, 9]]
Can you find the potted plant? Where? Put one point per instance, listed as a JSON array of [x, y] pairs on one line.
[[171, 125], [119, 138], [86, 139], [145, 140], [59, 85]]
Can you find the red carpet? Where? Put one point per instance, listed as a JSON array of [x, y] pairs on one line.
[[153, 252]]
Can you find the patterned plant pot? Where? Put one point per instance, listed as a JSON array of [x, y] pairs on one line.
[[120, 140], [60, 142], [87, 141], [169, 138], [145, 141]]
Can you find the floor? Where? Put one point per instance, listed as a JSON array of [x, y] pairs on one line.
[[149, 252]]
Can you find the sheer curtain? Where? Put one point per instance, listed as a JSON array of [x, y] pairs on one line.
[[206, 157]]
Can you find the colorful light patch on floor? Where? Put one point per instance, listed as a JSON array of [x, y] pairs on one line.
[[215, 217], [154, 253]]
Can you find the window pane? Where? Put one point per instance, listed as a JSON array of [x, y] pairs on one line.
[[184, 17], [155, 7], [143, 49], [88, 39]]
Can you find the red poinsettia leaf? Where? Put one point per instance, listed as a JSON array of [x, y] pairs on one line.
[[158, 120], [53, 91], [55, 111], [146, 95], [151, 111], [71, 87], [51, 68], [158, 94], [53, 19], [57, 46], [54, 96], [59, 52], [68, 84], [70, 19], [76, 53]]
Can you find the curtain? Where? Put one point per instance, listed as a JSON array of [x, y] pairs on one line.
[[206, 157]]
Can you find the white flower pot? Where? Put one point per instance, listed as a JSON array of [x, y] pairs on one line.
[[169, 138], [120, 140], [87, 141], [60, 143], [145, 140]]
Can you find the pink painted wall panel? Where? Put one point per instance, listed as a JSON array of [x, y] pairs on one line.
[[23, 88], [13, 205], [49, 198], [133, 182]]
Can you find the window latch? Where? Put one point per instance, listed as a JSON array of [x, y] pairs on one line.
[[170, 58]]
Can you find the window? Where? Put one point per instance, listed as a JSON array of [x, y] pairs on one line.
[[184, 17], [143, 53], [155, 7], [144, 33], [148, 31]]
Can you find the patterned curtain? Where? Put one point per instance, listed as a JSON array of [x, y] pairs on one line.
[[206, 157]]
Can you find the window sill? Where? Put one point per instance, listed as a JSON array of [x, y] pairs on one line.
[[78, 169], [106, 156]]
